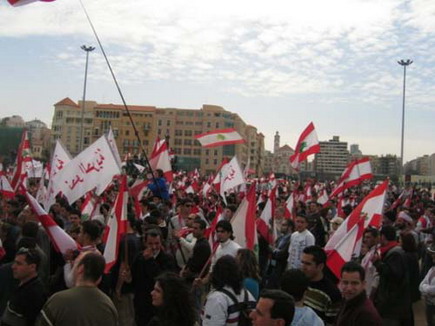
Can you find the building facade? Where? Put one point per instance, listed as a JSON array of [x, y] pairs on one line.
[[332, 159], [178, 126]]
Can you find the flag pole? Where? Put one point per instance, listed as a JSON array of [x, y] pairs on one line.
[[120, 94]]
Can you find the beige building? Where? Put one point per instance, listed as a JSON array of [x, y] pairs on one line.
[[178, 126], [332, 158]]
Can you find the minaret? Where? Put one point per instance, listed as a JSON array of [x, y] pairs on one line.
[[276, 143]]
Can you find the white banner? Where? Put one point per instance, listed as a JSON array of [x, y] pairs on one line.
[[92, 168]]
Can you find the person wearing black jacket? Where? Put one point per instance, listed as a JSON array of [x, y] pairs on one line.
[[147, 266], [27, 300], [393, 296]]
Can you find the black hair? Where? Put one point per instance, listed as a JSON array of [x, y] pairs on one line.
[[153, 232], [92, 229], [295, 283], [318, 254], [389, 232], [283, 305], [93, 264], [232, 207], [30, 229], [32, 256], [226, 272], [178, 307], [373, 231], [352, 267], [225, 225], [201, 223]]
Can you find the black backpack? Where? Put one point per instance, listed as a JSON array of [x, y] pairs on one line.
[[243, 307]]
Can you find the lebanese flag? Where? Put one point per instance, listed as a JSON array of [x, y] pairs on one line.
[[323, 198], [5, 187], [23, 156], [347, 247], [356, 172], [408, 199], [210, 232], [308, 144], [88, 207], [289, 207], [117, 225], [61, 240], [160, 159], [220, 137], [265, 222], [217, 179], [243, 222], [371, 207], [231, 176], [17, 3]]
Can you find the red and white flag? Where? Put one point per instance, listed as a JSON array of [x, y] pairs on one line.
[[243, 222], [356, 172], [265, 222], [322, 197], [220, 137], [217, 179], [17, 3], [88, 206], [231, 176], [370, 210], [61, 157], [346, 248], [23, 157], [308, 144], [116, 225], [95, 167], [289, 207], [160, 159], [61, 240]]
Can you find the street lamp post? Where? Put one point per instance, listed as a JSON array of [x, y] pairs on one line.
[[87, 49], [404, 64]]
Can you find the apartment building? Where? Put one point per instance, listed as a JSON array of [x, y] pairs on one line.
[[332, 158], [178, 126]]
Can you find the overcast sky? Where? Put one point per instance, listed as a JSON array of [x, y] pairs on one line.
[[278, 64]]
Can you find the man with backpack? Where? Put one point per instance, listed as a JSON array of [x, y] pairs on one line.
[[228, 303]]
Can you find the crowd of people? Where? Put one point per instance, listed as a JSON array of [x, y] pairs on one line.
[[171, 270]]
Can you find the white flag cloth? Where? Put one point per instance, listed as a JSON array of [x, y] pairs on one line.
[[112, 143], [61, 240], [60, 159], [231, 176], [116, 225], [92, 168], [139, 167], [34, 169], [160, 159], [220, 137]]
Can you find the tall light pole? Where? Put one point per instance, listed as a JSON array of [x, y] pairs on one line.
[[404, 64], [87, 49]]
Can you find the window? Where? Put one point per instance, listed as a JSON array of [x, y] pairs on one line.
[[168, 123], [188, 142], [177, 141], [178, 132], [187, 151], [196, 151], [127, 132], [217, 124], [187, 132], [160, 122]]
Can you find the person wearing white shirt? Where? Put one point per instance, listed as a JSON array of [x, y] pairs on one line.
[[300, 239], [224, 233], [427, 289]]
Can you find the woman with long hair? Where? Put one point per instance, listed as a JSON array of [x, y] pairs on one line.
[[250, 271], [173, 300]]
